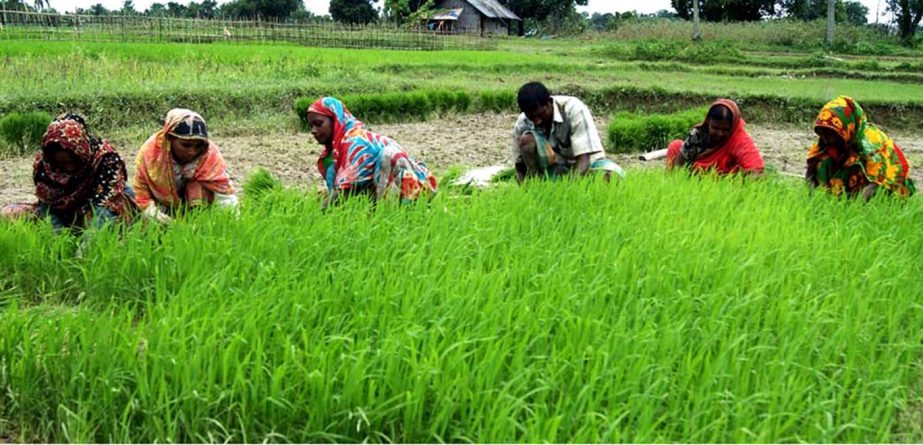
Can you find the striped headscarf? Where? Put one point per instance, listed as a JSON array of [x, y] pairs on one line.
[[154, 180]]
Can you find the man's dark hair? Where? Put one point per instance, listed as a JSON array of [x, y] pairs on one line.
[[531, 96], [720, 113]]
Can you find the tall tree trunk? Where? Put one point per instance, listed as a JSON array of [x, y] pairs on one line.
[[696, 32], [831, 21], [908, 18]]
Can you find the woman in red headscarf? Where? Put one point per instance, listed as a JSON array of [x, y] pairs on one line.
[[180, 166], [79, 179], [720, 144]]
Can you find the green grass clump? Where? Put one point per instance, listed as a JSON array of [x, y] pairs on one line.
[[633, 132], [415, 105], [740, 312], [121, 85], [395, 107], [22, 132], [259, 182], [674, 50]]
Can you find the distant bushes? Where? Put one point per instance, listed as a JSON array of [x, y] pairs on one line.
[[632, 132], [674, 50], [734, 53], [703, 52], [774, 35], [22, 132], [416, 105]]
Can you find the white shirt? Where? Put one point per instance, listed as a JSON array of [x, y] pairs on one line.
[[573, 131]]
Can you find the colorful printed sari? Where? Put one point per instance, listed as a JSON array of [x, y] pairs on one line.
[[155, 180], [359, 159], [72, 199], [737, 154], [871, 158]]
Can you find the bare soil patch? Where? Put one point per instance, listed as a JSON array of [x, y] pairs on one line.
[[458, 140]]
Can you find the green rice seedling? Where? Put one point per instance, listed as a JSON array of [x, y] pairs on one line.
[[259, 182], [631, 132], [496, 101], [123, 85], [680, 309], [22, 132], [397, 107]]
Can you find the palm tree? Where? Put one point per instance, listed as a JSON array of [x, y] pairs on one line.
[[831, 21]]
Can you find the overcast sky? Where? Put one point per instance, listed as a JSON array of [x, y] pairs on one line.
[[320, 6]]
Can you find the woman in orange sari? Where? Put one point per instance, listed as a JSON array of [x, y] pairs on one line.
[[854, 156], [720, 144], [180, 166]]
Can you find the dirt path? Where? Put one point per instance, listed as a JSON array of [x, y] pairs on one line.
[[466, 140]]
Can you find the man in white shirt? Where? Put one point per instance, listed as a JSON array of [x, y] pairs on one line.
[[555, 136]]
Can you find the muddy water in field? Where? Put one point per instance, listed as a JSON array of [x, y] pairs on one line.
[[466, 140]]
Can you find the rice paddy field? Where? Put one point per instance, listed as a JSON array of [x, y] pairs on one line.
[[660, 308]]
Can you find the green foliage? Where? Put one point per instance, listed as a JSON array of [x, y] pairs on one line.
[[125, 85], [673, 50], [250, 9], [767, 35], [415, 105], [907, 17], [22, 132], [856, 13], [727, 10], [259, 182], [496, 101], [353, 12], [632, 132], [408, 12], [713, 324], [815, 10], [551, 12]]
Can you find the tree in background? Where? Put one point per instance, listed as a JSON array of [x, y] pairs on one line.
[[16, 5], [156, 10], [128, 8], [603, 22], [175, 9], [856, 13], [406, 11], [813, 9], [266, 9], [353, 12], [555, 13], [727, 10], [907, 14], [204, 10], [98, 9]]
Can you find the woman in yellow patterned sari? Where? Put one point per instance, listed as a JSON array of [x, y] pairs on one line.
[[854, 156]]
